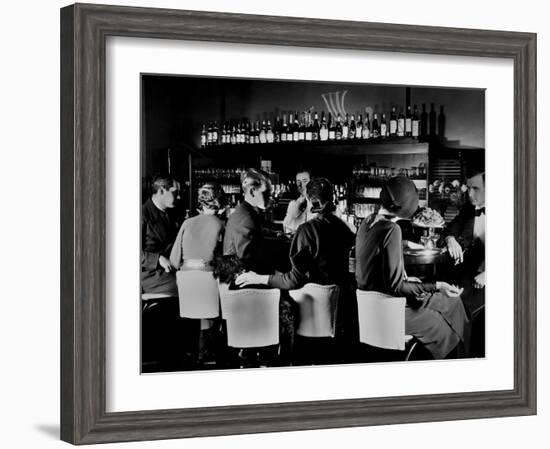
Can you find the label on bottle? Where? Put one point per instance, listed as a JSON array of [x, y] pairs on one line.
[[415, 125], [301, 135], [295, 136], [383, 130], [359, 132], [263, 138], [203, 140], [323, 134], [309, 136], [209, 137], [393, 127], [269, 137], [214, 136], [345, 132], [366, 132], [408, 125], [283, 137], [401, 127], [332, 135]]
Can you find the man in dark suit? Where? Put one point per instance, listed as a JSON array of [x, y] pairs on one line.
[[465, 241], [244, 236], [158, 232]]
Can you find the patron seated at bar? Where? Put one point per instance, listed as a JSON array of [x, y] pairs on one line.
[[244, 237], [158, 232], [299, 210], [197, 242], [434, 313], [161, 324]]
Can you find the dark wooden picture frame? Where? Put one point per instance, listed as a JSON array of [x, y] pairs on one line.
[[84, 29]]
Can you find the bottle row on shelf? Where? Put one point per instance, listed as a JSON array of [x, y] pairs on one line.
[[308, 127], [379, 173]]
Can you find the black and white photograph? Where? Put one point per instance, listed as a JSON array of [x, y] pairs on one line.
[[303, 223]]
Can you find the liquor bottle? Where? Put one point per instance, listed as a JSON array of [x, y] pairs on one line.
[[415, 126], [345, 128], [247, 132], [408, 122], [393, 122], [401, 123], [423, 122], [269, 133], [359, 128], [203, 136], [215, 134], [323, 132], [315, 128], [284, 129], [296, 128], [441, 122], [302, 128], [290, 128], [366, 126], [263, 133], [209, 135], [352, 128], [339, 127], [332, 128], [223, 135], [432, 120], [383, 126], [309, 128], [277, 130], [375, 126]]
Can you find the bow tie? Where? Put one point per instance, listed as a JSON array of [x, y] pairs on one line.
[[480, 211]]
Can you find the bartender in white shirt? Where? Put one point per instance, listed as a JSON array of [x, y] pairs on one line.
[[298, 210]]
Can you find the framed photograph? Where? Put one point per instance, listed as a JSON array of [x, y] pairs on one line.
[[269, 223]]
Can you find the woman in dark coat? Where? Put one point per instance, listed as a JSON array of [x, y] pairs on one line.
[[434, 314]]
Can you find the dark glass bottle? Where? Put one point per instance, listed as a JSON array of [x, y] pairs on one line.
[[423, 122], [432, 120], [441, 123], [315, 128], [415, 125], [375, 126], [393, 122], [383, 126], [339, 127], [401, 123], [408, 122], [352, 128], [323, 131]]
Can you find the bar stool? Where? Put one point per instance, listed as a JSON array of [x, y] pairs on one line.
[[251, 315], [198, 294], [199, 300], [382, 322], [318, 308]]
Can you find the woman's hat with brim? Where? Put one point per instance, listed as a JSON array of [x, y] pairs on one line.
[[399, 196]]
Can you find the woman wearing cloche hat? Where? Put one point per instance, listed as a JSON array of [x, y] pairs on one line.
[[439, 318]]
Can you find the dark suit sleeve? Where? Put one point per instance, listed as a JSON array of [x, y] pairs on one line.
[[149, 259], [393, 267], [246, 240], [456, 227], [301, 259]]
